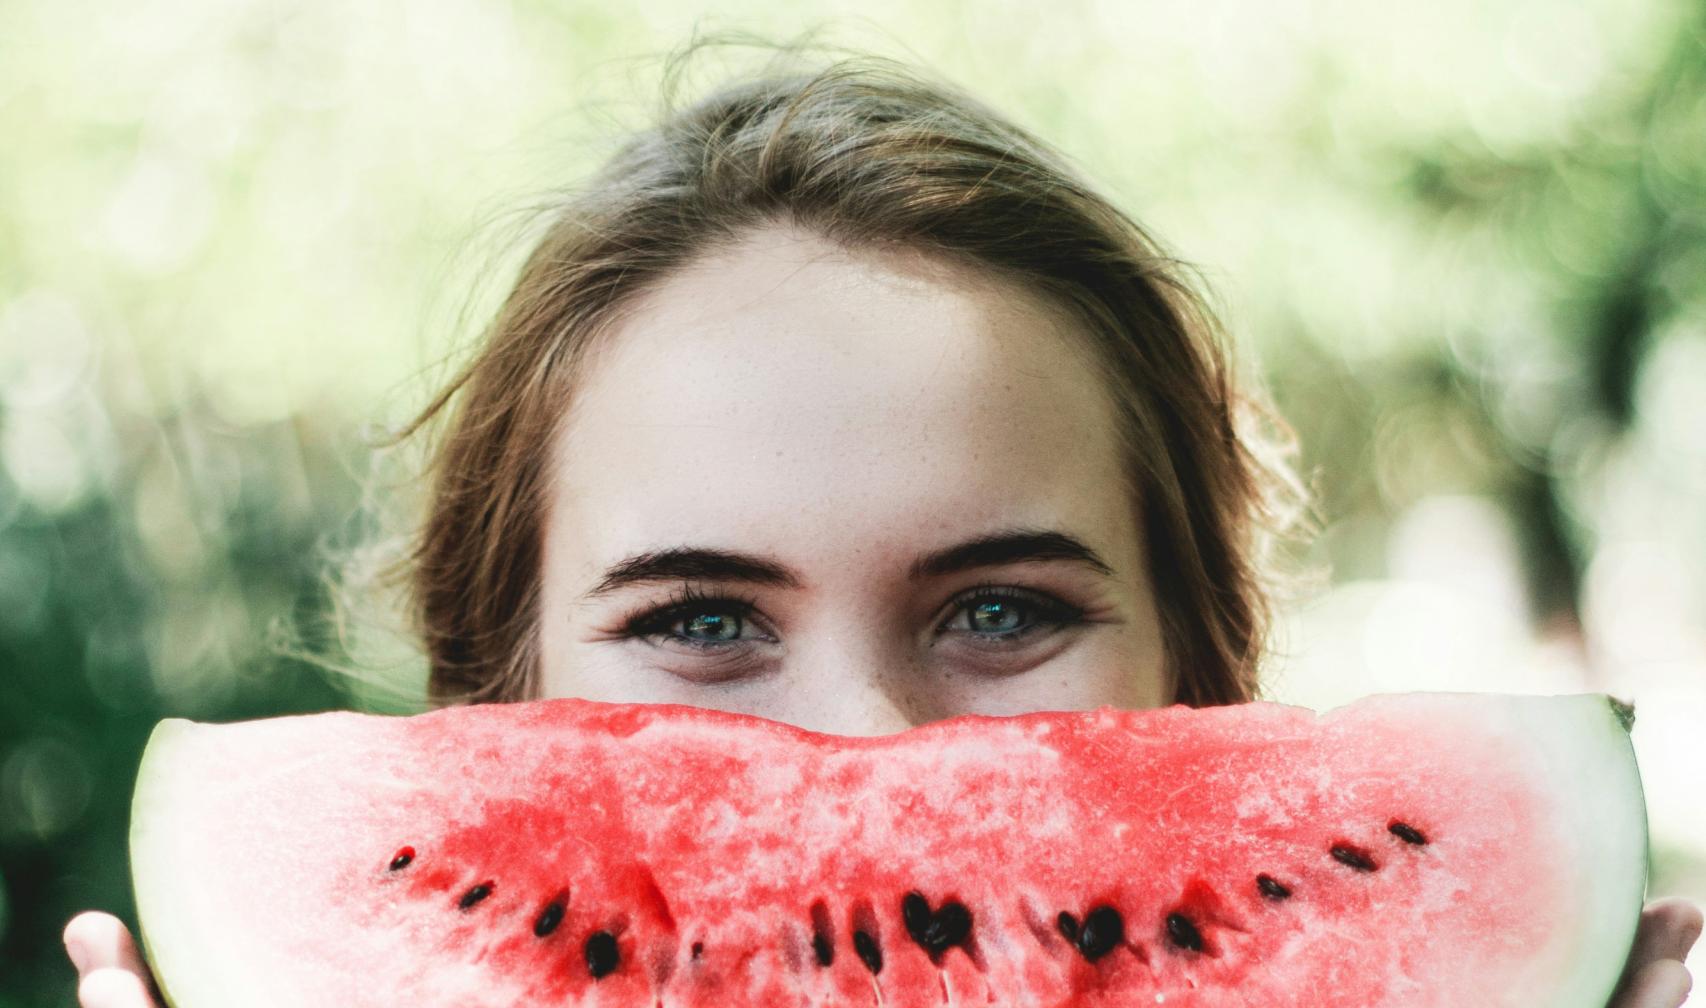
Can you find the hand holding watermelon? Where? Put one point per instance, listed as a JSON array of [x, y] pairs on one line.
[[1655, 976]]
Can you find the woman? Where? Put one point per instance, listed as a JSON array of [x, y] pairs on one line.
[[839, 400]]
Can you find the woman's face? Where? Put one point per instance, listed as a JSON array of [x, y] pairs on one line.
[[888, 487]]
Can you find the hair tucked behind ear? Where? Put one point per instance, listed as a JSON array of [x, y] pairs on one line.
[[866, 152]]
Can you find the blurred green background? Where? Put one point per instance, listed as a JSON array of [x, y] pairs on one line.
[[1466, 245]]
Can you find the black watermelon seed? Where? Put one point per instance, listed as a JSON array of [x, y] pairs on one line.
[[549, 918], [935, 930], [869, 953], [698, 949], [1271, 887], [952, 926], [1345, 854], [915, 912], [1068, 925], [823, 934], [1183, 933], [1103, 930], [474, 895], [403, 858], [601, 954], [1407, 833]]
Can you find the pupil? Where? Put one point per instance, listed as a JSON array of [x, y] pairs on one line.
[[715, 624], [987, 609]]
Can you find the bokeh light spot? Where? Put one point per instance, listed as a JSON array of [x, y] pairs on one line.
[[44, 789]]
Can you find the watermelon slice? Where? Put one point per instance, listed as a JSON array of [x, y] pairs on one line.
[[1410, 851]]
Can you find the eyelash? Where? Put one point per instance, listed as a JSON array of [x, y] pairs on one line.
[[687, 601]]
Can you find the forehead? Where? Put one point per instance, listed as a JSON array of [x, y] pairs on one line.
[[792, 390]]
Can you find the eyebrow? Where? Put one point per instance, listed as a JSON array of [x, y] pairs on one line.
[[991, 550]]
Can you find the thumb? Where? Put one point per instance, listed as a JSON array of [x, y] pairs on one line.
[[112, 988], [96, 940]]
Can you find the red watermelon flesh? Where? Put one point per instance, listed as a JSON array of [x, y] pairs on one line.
[[1409, 851]]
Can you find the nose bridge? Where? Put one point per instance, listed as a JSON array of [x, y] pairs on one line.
[[851, 682]]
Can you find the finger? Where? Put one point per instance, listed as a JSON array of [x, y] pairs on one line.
[[96, 940], [1676, 927], [1663, 984], [112, 987]]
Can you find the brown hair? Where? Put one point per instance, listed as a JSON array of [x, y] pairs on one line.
[[865, 152]]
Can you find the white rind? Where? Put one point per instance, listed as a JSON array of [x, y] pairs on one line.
[[1585, 742], [167, 928], [183, 763]]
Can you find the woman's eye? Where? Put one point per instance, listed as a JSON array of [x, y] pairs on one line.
[[1004, 616], [708, 624]]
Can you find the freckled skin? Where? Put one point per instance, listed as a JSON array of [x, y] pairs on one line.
[[842, 413]]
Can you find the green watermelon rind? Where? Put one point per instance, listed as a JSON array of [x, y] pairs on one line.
[[157, 911], [1623, 856]]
